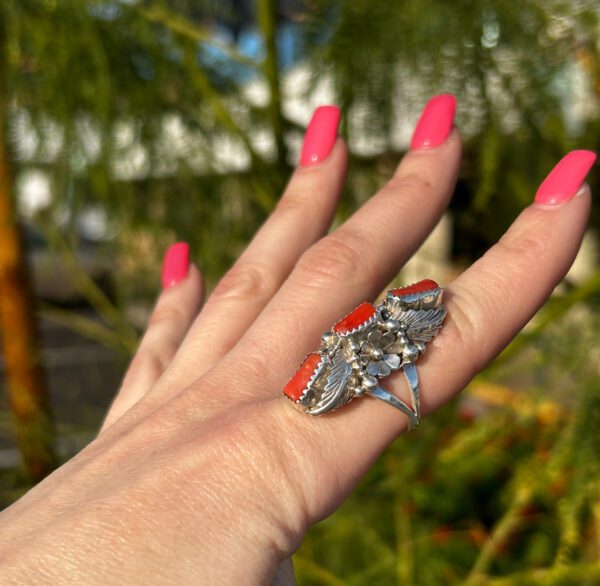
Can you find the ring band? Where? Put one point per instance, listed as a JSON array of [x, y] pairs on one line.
[[368, 344]]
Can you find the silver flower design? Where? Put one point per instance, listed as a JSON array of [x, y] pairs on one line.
[[379, 353]]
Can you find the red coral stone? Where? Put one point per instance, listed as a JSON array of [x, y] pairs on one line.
[[355, 318], [420, 287], [297, 384]]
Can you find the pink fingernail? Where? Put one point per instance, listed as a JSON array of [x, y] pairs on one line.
[[321, 134], [435, 123], [564, 181], [175, 264]]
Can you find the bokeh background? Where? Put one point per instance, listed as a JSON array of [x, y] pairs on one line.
[[126, 125]]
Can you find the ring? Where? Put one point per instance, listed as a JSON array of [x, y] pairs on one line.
[[368, 344]]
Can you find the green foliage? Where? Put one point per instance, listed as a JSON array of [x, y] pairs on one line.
[[107, 76], [509, 496], [99, 86], [511, 66]]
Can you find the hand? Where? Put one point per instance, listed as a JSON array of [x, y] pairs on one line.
[[203, 473]]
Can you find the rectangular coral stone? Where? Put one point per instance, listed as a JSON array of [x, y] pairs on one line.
[[298, 383], [420, 287], [364, 312]]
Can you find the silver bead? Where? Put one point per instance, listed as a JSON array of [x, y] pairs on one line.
[[355, 364], [392, 325], [420, 347], [353, 346], [403, 340], [329, 338], [369, 382], [376, 353], [410, 353]]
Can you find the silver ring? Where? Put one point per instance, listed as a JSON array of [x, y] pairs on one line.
[[369, 344]]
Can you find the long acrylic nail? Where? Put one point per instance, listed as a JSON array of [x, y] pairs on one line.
[[564, 181], [321, 134], [175, 264], [435, 123]]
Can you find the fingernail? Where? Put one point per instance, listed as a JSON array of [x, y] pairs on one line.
[[564, 181], [175, 264], [435, 123], [321, 134]]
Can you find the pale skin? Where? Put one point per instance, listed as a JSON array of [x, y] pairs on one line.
[[203, 473]]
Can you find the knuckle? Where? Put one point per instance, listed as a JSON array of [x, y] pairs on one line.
[[339, 257], [467, 330], [413, 183], [167, 313], [513, 258], [296, 201], [244, 281], [522, 251], [146, 365], [467, 324], [478, 307], [254, 368]]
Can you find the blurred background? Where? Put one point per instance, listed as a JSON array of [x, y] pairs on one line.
[[126, 125]]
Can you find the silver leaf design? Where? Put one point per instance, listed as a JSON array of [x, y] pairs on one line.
[[422, 325], [336, 392]]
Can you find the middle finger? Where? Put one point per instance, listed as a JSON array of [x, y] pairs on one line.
[[355, 262]]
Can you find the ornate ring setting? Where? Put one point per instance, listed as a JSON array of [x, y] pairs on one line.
[[368, 344]]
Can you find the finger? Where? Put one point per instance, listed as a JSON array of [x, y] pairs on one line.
[[487, 306], [175, 310], [303, 215], [357, 260]]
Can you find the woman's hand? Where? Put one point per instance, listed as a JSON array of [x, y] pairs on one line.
[[203, 473]]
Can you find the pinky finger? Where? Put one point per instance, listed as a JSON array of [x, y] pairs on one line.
[[175, 311]]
